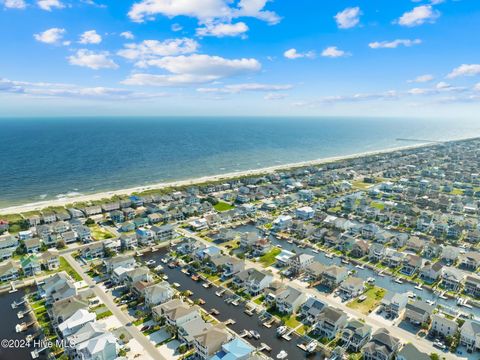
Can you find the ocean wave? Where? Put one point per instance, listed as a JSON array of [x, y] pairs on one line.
[[68, 195]]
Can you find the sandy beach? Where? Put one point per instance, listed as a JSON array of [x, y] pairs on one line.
[[35, 206]]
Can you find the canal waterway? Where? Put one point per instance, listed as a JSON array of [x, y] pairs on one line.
[[228, 311], [9, 320], [386, 281]]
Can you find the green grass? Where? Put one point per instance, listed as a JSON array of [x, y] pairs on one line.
[[292, 322], [223, 206], [100, 234], [104, 315], [65, 266], [359, 184], [456, 192], [269, 258], [377, 205], [374, 297]]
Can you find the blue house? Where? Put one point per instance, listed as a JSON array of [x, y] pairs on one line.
[[237, 349]]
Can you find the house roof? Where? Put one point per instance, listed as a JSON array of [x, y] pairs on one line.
[[410, 352]]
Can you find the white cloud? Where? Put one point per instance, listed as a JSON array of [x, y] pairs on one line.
[[465, 70], [348, 18], [40, 89], [15, 4], [90, 37], [92, 60], [275, 96], [48, 5], [418, 91], [223, 29], [50, 36], [203, 10], [394, 44], [127, 35], [477, 87], [237, 88], [422, 79], [294, 54], [151, 49], [333, 52], [193, 69], [419, 15]]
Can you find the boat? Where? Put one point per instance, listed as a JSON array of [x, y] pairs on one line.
[[165, 277], [206, 285], [255, 334], [172, 265], [315, 251], [398, 280], [345, 261], [281, 330], [282, 355], [362, 298], [360, 266], [371, 280], [164, 260], [150, 263], [290, 241], [419, 286], [220, 292], [185, 271], [158, 268], [195, 278], [328, 255], [279, 246], [201, 301], [175, 284], [430, 302], [411, 294], [311, 347]]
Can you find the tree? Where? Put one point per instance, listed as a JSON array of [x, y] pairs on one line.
[[434, 356], [89, 222]]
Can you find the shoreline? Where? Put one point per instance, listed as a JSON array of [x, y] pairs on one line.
[[36, 206]]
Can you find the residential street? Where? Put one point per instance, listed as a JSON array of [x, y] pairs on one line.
[[122, 317]]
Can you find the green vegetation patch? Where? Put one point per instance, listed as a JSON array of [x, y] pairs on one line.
[[374, 297], [65, 266], [223, 206], [269, 258]]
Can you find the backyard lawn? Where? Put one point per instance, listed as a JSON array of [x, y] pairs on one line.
[[223, 206], [374, 297], [100, 234], [269, 258], [65, 266]]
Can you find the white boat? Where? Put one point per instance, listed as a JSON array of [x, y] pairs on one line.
[[360, 266], [281, 330], [398, 281], [150, 263], [165, 277], [282, 355], [158, 268], [328, 255], [175, 284], [255, 334], [206, 285], [315, 251], [430, 302], [371, 280], [419, 286], [311, 347]]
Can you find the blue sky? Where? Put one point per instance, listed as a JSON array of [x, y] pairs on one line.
[[240, 57]]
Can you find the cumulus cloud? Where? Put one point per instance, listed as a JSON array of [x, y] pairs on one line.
[[236, 88], [294, 54], [92, 60], [422, 78], [127, 35], [223, 29], [15, 4], [193, 69], [151, 49], [348, 18], [333, 52], [90, 37], [48, 5], [50, 36], [394, 44], [203, 10], [419, 15], [465, 70]]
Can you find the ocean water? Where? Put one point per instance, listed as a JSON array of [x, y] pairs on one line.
[[45, 159]]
